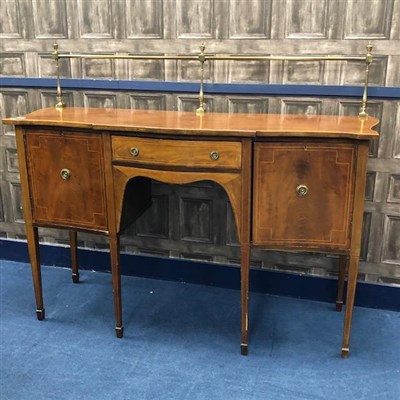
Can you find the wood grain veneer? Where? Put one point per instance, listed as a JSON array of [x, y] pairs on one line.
[[78, 201], [322, 217], [220, 124], [179, 153]]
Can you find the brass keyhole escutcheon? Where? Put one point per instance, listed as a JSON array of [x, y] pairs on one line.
[[65, 173], [134, 151], [214, 155], [302, 190]]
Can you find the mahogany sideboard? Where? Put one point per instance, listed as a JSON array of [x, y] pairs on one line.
[[295, 182]]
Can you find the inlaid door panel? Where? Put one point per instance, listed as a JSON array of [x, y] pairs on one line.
[[302, 195], [66, 179]]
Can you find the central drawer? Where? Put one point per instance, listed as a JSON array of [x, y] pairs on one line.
[[177, 153]]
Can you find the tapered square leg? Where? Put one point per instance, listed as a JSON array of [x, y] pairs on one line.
[[351, 291], [116, 280], [73, 242], [343, 266], [31, 231], [244, 228], [245, 262], [34, 256]]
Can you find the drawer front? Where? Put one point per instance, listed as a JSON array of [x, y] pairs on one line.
[[303, 195], [179, 153], [66, 179]]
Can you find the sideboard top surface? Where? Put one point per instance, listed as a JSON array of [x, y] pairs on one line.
[[218, 124]]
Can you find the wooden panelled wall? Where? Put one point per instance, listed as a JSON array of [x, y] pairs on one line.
[[195, 221]]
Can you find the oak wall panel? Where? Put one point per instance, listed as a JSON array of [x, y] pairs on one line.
[[10, 20], [195, 19], [250, 19], [307, 19], [368, 19], [50, 19], [95, 19], [144, 19]]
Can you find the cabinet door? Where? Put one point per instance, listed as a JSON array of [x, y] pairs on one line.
[[303, 195], [66, 179]]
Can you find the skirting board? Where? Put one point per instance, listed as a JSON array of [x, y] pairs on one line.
[[218, 275], [265, 89]]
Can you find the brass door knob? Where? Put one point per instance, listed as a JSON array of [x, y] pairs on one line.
[[65, 173], [134, 151], [302, 190], [214, 155]]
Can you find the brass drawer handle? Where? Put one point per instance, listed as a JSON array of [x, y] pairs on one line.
[[65, 174], [302, 190], [214, 155], [134, 151]]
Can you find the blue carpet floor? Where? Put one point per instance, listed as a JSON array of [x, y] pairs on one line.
[[182, 341]]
